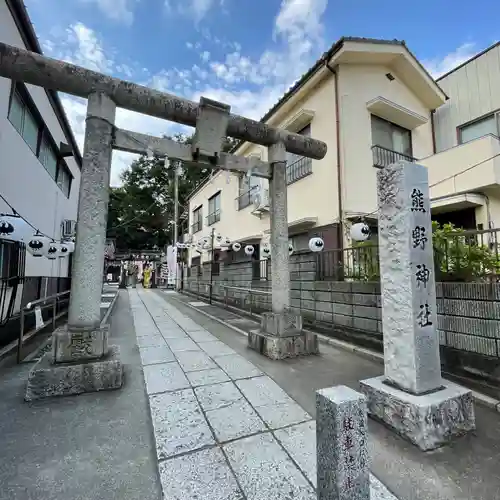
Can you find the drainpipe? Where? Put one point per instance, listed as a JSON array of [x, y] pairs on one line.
[[433, 130], [339, 157]]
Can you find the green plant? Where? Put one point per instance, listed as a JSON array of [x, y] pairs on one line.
[[461, 255], [362, 262]]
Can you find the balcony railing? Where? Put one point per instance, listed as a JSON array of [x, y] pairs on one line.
[[298, 169], [246, 198], [383, 157], [213, 217], [196, 226]]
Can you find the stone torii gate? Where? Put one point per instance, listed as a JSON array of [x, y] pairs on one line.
[[81, 360]]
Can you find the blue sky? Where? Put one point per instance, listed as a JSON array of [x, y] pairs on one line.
[[243, 52]]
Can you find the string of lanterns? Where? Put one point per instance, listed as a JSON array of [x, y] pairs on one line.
[[316, 244], [15, 228]]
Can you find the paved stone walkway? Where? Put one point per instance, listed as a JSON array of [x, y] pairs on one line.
[[223, 429]]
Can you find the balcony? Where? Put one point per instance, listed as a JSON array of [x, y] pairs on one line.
[[246, 198], [469, 167], [383, 157], [195, 227], [213, 217], [298, 169]]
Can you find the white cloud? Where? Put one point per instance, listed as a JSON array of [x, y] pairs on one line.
[[205, 56], [117, 10], [196, 9], [438, 66]]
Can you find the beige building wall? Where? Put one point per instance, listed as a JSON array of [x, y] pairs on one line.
[[358, 85], [473, 91]]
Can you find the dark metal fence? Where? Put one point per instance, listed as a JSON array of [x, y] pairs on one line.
[[247, 198], [298, 169], [358, 263], [261, 269], [12, 266], [383, 157]]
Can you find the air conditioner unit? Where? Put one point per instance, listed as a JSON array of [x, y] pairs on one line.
[[261, 201], [68, 228]]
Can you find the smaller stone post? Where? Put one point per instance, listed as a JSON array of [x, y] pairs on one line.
[[411, 397], [343, 472], [281, 334]]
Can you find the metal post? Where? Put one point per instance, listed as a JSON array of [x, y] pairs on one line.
[[21, 336], [211, 266], [86, 285], [280, 284], [54, 312]]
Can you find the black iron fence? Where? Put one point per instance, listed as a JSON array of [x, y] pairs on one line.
[[383, 157], [12, 266], [298, 169], [358, 263], [261, 269], [213, 217]]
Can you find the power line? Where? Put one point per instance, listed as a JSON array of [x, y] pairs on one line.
[[37, 231]]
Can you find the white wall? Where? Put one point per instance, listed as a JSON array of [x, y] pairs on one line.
[[24, 182], [473, 91]]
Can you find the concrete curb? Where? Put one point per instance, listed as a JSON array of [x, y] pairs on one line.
[[110, 309], [483, 399]]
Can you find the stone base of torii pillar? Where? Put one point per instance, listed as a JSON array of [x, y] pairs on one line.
[[281, 336], [411, 397]]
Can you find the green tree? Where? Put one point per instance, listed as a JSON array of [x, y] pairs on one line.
[[141, 210]]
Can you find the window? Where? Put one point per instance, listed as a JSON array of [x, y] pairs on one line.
[[298, 166], [247, 188], [391, 136], [23, 120], [479, 128], [214, 209], [64, 178], [197, 220], [48, 156], [27, 121]]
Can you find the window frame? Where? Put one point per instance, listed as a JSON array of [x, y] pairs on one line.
[[197, 219], [20, 92], [214, 215], [496, 118], [297, 166], [397, 127]]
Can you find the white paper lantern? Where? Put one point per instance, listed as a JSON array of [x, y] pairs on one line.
[[249, 250], [266, 250], [316, 244], [218, 238], [52, 250], [236, 247], [63, 249], [360, 231], [227, 241], [290, 249], [38, 245], [13, 227], [70, 245]]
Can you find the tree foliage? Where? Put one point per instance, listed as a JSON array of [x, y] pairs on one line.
[[141, 210]]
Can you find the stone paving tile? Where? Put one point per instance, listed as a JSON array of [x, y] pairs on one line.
[[264, 470], [202, 336], [263, 391], [193, 360], [151, 340], [216, 348], [216, 396], [164, 377], [207, 377], [234, 421], [172, 333], [203, 475], [179, 424], [184, 344], [237, 367], [282, 414], [156, 354], [300, 442]]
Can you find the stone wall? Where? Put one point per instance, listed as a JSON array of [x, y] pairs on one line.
[[468, 313]]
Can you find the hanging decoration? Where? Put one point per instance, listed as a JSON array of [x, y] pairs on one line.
[[63, 250], [266, 250], [316, 244], [290, 249], [14, 227], [52, 250], [249, 250], [38, 245], [360, 231], [236, 246], [70, 245]]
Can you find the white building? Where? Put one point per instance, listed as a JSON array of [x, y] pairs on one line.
[[39, 159]]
